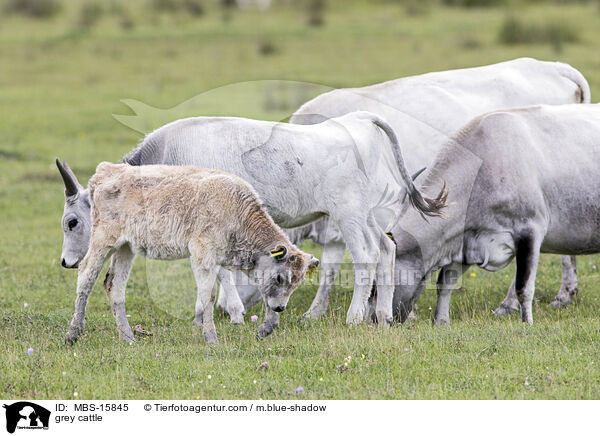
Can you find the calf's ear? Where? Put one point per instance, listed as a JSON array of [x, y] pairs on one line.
[[279, 253]]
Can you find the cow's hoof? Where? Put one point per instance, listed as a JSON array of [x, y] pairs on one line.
[[355, 318], [312, 315], [198, 321], [383, 321], [504, 310], [210, 337], [411, 316], [563, 299], [441, 322]]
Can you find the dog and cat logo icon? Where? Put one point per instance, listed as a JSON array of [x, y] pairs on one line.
[[26, 415]]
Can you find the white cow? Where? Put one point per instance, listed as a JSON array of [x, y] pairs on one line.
[[349, 168], [425, 111]]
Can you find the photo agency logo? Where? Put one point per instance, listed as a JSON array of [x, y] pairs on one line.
[[25, 415], [291, 174]]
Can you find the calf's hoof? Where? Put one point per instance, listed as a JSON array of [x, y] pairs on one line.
[[127, 338], [71, 338], [264, 330], [73, 334], [198, 321], [237, 318]]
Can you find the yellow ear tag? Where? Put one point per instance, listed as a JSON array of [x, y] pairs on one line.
[[277, 253]]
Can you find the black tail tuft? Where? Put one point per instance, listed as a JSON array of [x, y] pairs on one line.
[[429, 206]]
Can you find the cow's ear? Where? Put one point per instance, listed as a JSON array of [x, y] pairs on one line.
[[279, 253]]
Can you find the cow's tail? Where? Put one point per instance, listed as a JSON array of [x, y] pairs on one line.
[[426, 206], [584, 95]]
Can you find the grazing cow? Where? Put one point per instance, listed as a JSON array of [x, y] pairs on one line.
[[425, 111], [520, 182], [350, 168], [164, 212]]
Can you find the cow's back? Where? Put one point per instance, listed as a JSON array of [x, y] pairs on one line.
[[538, 163], [425, 110]]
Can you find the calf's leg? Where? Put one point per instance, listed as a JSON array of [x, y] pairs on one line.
[[115, 284], [270, 323], [89, 269], [229, 298], [568, 288], [206, 280], [331, 259]]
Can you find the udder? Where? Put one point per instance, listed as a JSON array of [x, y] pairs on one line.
[[490, 251]]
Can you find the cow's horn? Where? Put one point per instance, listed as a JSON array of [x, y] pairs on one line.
[[71, 183]]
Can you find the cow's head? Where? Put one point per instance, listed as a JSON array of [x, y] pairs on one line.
[[409, 275], [76, 219], [280, 271]]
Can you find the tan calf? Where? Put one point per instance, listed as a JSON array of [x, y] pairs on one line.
[[166, 212]]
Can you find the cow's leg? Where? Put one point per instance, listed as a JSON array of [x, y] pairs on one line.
[[229, 299], [270, 323], [206, 280], [447, 278], [363, 243], [510, 303], [89, 269], [528, 254], [385, 280], [115, 284], [331, 259], [568, 288]]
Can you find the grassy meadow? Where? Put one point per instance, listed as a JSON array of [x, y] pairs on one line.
[[63, 77]]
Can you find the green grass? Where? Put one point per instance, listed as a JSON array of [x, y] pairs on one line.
[[60, 86]]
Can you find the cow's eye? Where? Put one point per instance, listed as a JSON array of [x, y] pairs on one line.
[[280, 279], [72, 223]]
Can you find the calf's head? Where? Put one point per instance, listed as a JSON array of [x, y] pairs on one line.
[[76, 219], [279, 272]]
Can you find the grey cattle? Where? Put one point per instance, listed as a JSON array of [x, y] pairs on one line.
[[520, 182], [165, 212], [349, 168], [425, 111]]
